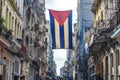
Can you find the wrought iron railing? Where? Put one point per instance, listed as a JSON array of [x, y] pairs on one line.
[[6, 33]]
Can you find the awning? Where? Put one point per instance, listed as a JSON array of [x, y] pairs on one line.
[[2, 63], [115, 32]]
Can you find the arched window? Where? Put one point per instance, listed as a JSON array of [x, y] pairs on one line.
[[106, 68], [111, 60], [117, 61], [112, 66], [117, 58]]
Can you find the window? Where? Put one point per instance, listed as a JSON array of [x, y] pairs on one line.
[[23, 33], [6, 16], [22, 64], [7, 69], [10, 23], [15, 28], [106, 68], [16, 67], [101, 15], [0, 7], [111, 57], [117, 60], [111, 64], [106, 4], [118, 57]]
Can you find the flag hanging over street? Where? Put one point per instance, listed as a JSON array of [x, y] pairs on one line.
[[61, 29]]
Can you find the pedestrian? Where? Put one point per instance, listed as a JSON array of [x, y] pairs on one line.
[[40, 78], [47, 78]]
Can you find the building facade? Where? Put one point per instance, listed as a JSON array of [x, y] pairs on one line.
[[34, 35], [10, 33], [85, 22], [22, 40], [51, 65], [106, 25]]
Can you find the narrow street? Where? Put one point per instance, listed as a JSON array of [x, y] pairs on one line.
[[59, 39]]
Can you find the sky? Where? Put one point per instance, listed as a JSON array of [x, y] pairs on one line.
[[60, 54], [59, 57], [62, 5]]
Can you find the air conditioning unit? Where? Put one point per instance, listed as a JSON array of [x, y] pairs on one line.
[[113, 70], [118, 70]]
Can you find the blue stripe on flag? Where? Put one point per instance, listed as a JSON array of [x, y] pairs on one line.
[[70, 30], [52, 31], [62, 42]]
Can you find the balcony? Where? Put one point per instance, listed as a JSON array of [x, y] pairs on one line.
[[5, 32], [116, 31], [17, 48], [36, 61], [101, 38], [4, 42], [23, 49], [5, 35]]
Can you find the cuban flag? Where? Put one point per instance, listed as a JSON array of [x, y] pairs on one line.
[[61, 29]]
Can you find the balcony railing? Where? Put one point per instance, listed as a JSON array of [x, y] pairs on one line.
[[6, 33]]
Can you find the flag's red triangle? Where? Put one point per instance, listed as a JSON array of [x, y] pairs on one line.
[[60, 16]]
